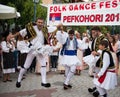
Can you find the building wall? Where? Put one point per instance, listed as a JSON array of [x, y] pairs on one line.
[[51, 1], [47, 1]]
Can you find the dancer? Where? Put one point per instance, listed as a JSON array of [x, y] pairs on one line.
[[106, 78], [37, 36], [69, 56], [97, 37]]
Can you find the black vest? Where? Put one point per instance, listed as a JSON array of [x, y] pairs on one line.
[[100, 63]]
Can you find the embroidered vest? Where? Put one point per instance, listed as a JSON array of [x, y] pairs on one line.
[[31, 33], [100, 63], [45, 33], [65, 46]]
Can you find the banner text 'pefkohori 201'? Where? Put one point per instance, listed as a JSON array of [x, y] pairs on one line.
[[105, 12]]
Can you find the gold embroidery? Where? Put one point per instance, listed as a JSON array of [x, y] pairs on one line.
[[98, 41], [45, 32], [31, 33]]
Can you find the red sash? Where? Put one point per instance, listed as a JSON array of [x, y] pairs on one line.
[[102, 78]]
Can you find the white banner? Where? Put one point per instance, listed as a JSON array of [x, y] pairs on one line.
[[105, 12]]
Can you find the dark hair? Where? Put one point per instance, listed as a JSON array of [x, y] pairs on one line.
[[59, 27], [71, 32], [96, 28], [113, 37], [104, 43], [39, 18]]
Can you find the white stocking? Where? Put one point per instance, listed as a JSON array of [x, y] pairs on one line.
[[43, 74], [42, 61], [70, 74], [27, 64], [67, 69], [22, 71]]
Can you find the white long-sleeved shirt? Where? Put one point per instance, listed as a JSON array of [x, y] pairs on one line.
[[7, 46], [106, 62], [38, 41]]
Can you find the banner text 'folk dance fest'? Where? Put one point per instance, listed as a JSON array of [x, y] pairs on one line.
[[90, 13]]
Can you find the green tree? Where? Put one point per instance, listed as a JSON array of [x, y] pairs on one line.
[[41, 11]]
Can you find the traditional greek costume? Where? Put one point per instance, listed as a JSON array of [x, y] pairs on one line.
[[69, 56], [90, 59], [37, 39], [107, 76]]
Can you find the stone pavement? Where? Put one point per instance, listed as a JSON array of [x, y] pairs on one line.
[[31, 86]]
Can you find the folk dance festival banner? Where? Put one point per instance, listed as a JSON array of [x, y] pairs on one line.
[[104, 12]]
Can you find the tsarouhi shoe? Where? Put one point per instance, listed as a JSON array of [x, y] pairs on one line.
[[46, 84], [91, 89], [105, 95], [18, 84], [65, 87], [96, 94], [69, 86]]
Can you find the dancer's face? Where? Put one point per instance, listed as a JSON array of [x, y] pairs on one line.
[[39, 23], [94, 34], [71, 36], [101, 47]]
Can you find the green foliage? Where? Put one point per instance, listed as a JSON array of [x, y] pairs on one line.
[[80, 29], [103, 29], [27, 14], [41, 12]]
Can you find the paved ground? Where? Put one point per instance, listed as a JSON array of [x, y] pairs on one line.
[[31, 86]]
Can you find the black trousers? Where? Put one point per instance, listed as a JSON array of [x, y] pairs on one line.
[[54, 61]]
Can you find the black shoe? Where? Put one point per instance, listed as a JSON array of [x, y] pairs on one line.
[[65, 87], [105, 95], [92, 76], [4, 81], [91, 89], [69, 86], [46, 85], [96, 94], [18, 84]]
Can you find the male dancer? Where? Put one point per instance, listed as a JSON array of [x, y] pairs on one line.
[[69, 55], [97, 38], [106, 78], [37, 36]]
